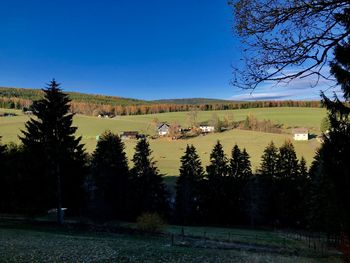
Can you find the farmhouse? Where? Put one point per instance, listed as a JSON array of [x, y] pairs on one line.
[[129, 135], [300, 134], [205, 127], [163, 129]]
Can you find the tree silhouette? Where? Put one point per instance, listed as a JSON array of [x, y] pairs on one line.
[[50, 140], [336, 148], [282, 41], [214, 188], [188, 199], [149, 189], [111, 173]]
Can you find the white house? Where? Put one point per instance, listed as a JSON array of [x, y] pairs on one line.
[[204, 127], [301, 134], [163, 129]]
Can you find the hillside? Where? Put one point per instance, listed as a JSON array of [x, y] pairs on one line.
[[167, 153], [34, 94], [193, 101], [93, 105]]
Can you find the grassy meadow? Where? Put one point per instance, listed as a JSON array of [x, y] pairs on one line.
[[167, 152], [27, 244]]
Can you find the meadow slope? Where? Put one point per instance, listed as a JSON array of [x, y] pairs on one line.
[[167, 153]]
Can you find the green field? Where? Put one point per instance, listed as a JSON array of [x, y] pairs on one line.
[[167, 153], [49, 244]]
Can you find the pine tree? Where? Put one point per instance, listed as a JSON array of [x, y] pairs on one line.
[[111, 173], [336, 148], [52, 146], [246, 165], [287, 164], [323, 208], [268, 167], [150, 191], [236, 185], [188, 199], [303, 173], [218, 163], [286, 186], [215, 188], [235, 162]]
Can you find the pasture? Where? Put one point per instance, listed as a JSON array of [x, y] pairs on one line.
[[167, 153], [50, 244]]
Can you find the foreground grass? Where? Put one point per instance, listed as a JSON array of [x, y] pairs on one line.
[[21, 245], [167, 153]]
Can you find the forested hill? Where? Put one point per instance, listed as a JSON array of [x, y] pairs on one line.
[[89, 104], [34, 94], [194, 101]]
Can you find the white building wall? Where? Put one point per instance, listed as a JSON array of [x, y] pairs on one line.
[[301, 137]]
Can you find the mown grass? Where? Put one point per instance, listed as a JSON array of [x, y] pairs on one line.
[[167, 153], [32, 245]]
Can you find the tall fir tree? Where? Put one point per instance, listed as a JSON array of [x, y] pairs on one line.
[[150, 191], [268, 166], [236, 185], [235, 162], [55, 152], [188, 186], [218, 166], [215, 194], [336, 147], [111, 174], [287, 164], [322, 204], [267, 174], [286, 186]]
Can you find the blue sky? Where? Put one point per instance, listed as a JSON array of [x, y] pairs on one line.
[[140, 49]]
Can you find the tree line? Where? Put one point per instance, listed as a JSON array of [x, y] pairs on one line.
[[139, 108]]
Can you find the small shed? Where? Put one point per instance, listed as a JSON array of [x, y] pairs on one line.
[[129, 135], [300, 134]]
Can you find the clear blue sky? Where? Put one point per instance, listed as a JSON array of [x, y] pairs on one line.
[[141, 49]]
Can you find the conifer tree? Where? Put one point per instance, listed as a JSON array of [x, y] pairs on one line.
[[323, 208], [303, 173], [246, 165], [235, 162], [188, 199], [111, 173], [269, 160], [215, 192], [218, 166], [286, 183], [336, 148], [55, 152], [287, 164], [150, 191], [236, 184]]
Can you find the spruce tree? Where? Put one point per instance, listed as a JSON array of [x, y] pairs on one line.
[[268, 167], [218, 166], [246, 165], [336, 148], [111, 173], [55, 152], [235, 162], [215, 188], [150, 191], [188, 199], [287, 164], [322, 204], [286, 186], [236, 185]]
